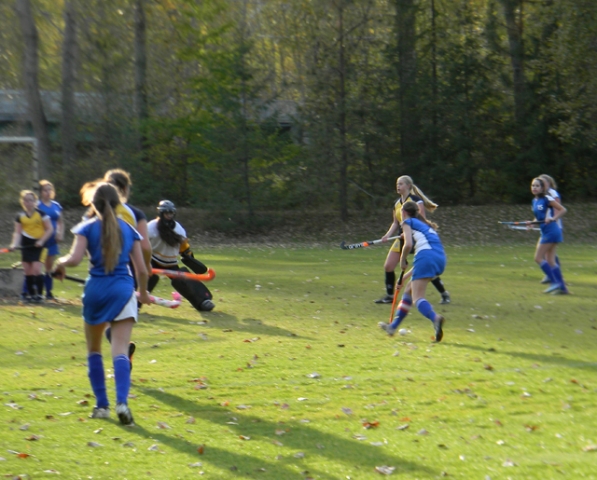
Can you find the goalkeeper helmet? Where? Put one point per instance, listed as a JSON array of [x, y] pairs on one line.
[[166, 206]]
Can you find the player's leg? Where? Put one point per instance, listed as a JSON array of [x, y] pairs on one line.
[[419, 287], [95, 369], [121, 337], [540, 258], [390, 265]]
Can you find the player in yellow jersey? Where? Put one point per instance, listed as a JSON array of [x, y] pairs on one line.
[[408, 191], [32, 229]]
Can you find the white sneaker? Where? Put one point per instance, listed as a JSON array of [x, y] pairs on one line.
[[387, 327], [100, 413], [124, 414]]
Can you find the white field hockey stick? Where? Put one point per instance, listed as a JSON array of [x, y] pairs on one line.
[[367, 243], [162, 302], [534, 222], [516, 227]]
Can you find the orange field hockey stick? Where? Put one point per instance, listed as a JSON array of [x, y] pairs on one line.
[[396, 293], [198, 277]]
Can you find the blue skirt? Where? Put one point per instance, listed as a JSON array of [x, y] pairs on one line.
[[428, 264], [105, 297], [551, 233]]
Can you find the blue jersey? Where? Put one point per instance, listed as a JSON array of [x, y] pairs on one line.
[[550, 232], [106, 294], [54, 211], [430, 258]]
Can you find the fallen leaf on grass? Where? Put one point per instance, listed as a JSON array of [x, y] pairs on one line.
[[24, 427], [243, 407], [347, 410], [422, 432], [531, 428], [163, 425], [359, 437], [302, 399], [32, 438], [52, 471], [403, 427], [83, 402], [314, 375], [280, 432], [94, 444], [590, 448], [244, 437], [367, 424], [195, 465], [299, 455], [200, 449], [385, 470], [153, 448], [508, 463], [487, 367], [251, 340]]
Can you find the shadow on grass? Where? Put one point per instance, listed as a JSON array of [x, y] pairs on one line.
[[220, 320], [304, 438], [536, 357]]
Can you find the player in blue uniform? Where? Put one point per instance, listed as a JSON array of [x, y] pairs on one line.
[[551, 186], [53, 209], [32, 229], [547, 210], [429, 263], [109, 296], [408, 191]]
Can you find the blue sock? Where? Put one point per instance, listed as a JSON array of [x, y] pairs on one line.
[[548, 271], [25, 288], [122, 377], [426, 309], [557, 275], [403, 309], [49, 283], [97, 378]]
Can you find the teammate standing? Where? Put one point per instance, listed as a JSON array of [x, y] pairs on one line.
[[109, 296], [547, 210], [429, 263], [53, 209], [408, 191], [32, 229]]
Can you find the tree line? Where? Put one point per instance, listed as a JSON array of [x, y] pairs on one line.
[[253, 105]]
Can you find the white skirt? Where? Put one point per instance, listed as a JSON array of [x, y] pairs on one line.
[[130, 310]]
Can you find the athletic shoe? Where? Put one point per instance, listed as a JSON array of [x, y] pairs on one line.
[[445, 298], [385, 299], [387, 327], [561, 291], [552, 288], [545, 280], [37, 299], [25, 298], [49, 296], [124, 414], [103, 412], [438, 324], [207, 306]]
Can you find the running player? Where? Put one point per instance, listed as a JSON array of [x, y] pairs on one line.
[[31, 231], [109, 296], [547, 210], [429, 263], [408, 191], [550, 184]]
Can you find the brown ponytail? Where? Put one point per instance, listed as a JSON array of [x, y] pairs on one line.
[[412, 209], [105, 200]]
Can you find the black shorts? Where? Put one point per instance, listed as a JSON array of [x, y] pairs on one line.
[[29, 252]]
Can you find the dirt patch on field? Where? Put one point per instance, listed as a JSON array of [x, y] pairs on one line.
[[462, 225]]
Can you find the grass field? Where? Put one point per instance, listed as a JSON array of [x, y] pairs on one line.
[[290, 378]]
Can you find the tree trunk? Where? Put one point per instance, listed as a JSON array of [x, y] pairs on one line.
[[343, 186], [141, 107], [35, 108], [69, 49], [514, 26], [407, 75]]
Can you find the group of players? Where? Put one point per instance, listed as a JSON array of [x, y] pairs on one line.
[[118, 240], [122, 248], [409, 221]]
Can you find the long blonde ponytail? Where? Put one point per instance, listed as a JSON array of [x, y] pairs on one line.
[[429, 205]]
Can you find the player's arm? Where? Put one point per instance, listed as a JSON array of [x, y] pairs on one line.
[[60, 229], [393, 228], [16, 236], [72, 259], [408, 245], [559, 211], [48, 231], [138, 260], [145, 244]]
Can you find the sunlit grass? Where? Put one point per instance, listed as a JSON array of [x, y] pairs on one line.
[[280, 380]]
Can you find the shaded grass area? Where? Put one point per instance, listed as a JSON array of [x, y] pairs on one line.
[[282, 378]]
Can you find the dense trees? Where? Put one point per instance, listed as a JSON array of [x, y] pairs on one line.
[[248, 105]]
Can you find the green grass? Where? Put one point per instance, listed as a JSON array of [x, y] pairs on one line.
[[513, 383]]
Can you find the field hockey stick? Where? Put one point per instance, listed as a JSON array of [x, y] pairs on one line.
[[396, 293], [534, 222], [162, 302], [8, 250], [516, 227], [368, 243], [197, 277]]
